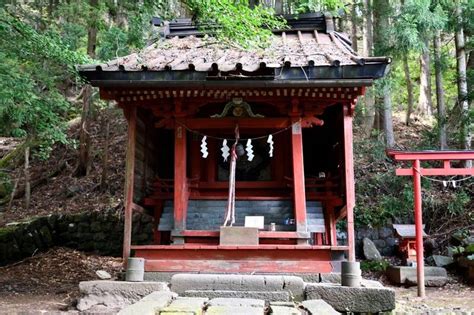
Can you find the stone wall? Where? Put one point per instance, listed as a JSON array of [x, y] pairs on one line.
[[91, 231], [384, 239]]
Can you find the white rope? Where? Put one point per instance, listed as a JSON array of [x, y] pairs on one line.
[[444, 181], [233, 139]]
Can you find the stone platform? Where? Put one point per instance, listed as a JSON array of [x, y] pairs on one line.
[[234, 294]]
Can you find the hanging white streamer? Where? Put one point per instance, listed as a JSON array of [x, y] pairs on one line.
[[249, 150], [225, 150], [204, 151], [270, 142]]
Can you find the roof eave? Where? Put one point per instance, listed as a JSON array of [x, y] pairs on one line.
[[346, 75]]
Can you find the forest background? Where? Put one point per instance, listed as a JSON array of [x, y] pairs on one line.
[[431, 80]]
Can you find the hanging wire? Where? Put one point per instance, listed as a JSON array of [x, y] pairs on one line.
[[241, 139]]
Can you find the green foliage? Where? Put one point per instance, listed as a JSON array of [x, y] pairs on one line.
[[306, 6], [416, 24], [113, 44], [33, 66], [236, 21], [369, 265]]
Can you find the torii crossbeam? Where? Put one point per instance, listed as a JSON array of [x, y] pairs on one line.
[[446, 157]]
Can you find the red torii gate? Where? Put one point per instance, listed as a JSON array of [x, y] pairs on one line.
[[417, 171]]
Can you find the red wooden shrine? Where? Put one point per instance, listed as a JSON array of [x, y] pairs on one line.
[[302, 90]]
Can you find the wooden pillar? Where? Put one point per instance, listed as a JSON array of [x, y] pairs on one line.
[[420, 267], [298, 176], [131, 114], [349, 177], [180, 182], [330, 223]]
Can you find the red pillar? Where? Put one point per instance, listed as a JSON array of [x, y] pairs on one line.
[[420, 267], [180, 182], [349, 177], [298, 177], [129, 180]]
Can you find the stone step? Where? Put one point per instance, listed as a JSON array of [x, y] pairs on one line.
[[319, 307], [205, 283], [264, 295], [185, 305], [348, 299]]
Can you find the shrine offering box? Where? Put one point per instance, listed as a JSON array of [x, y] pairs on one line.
[[238, 235]]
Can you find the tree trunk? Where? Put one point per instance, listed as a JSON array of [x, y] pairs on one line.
[[382, 12], [424, 101], [92, 31], [84, 136], [105, 157], [369, 98], [440, 92], [27, 178], [354, 25], [387, 117], [462, 82], [409, 84]]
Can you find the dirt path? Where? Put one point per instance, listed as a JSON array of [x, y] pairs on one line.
[[445, 300]]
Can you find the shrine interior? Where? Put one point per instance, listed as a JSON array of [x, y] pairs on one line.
[[264, 186]]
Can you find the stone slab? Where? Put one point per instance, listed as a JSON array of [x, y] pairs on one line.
[[332, 277], [221, 282], [263, 295], [234, 310], [238, 235], [284, 310], [166, 276], [429, 281], [357, 300], [150, 304], [319, 307], [185, 305], [237, 302], [115, 294], [399, 274]]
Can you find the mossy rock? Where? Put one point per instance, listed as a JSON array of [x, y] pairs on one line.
[[6, 234], [5, 185]]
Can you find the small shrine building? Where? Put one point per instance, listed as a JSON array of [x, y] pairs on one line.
[[187, 97]]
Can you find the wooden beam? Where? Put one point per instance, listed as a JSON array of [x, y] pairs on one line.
[[244, 123], [129, 183], [436, 171], [430, 155], [349, 177], [298, 176]]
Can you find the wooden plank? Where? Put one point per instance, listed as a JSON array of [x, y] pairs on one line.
[[235, 266], [349, 177], [260, 247], [298, 177], [180, 181], [129, 183]]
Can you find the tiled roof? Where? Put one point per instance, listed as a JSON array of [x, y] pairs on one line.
[[290, 49]]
